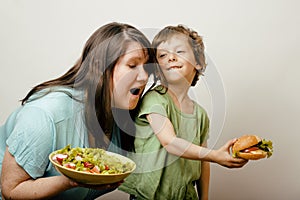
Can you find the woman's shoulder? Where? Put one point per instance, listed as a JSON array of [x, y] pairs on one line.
[[56, 92], [57, 102]]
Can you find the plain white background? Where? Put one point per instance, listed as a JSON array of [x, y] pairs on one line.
[[254, 45]]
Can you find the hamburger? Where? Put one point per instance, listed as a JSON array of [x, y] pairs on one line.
[[252, 147]]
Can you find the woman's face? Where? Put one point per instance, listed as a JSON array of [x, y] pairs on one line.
[[129, 77]]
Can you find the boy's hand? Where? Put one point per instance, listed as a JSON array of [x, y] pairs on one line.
[[224, 158]]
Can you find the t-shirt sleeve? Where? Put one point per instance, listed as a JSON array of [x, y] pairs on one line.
[[153, 102], [31, 140]]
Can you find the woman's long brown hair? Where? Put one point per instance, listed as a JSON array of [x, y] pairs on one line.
[[93, 73]]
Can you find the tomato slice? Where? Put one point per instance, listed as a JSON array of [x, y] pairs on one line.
[[59, 157], [70, 165], [95, 169], [250, 149], [88, 165]]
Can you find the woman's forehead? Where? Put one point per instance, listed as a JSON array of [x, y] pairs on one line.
[[134, 49], [135, 52]]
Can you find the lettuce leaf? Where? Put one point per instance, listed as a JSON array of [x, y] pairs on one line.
[[267, 146]]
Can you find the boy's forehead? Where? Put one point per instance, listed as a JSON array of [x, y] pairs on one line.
[[174, 41]]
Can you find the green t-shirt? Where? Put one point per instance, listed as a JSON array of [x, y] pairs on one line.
[[160, 175]]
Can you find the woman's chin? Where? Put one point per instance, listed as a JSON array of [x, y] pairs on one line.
[[129, 106], [133, 102]]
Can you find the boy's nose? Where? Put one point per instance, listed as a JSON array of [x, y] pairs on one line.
[[172, 57]]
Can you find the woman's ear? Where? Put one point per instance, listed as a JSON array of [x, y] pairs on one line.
[[198, 67]]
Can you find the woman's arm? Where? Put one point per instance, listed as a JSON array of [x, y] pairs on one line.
[[17, 184], [165, 133], [203, 182]]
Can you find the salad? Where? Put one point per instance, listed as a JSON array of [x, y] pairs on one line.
[[90, 160]]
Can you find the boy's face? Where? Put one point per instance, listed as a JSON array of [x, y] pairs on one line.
[[176, 59]]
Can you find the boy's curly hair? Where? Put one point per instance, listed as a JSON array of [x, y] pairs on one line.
[[195, 40]]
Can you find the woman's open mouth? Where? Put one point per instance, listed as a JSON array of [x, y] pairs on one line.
[[135, 91]]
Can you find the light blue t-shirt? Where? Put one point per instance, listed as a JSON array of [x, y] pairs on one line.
[[42, 126]]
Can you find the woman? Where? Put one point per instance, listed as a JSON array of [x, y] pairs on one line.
[[87, 107]]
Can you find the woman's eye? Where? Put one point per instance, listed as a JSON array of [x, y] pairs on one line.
[[132, 65]]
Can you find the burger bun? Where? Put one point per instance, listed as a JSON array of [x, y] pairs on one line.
[[254, 155], [245, 142]]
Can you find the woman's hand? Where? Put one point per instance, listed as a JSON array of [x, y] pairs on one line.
[[73, 183], [110, 186]]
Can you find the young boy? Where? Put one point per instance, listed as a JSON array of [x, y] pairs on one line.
[[172, 129]]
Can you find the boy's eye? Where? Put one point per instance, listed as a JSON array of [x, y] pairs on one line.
[[161, 55], [180, 51]]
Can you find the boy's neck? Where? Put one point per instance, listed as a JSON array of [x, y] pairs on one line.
[[181, 93], [181, 99]]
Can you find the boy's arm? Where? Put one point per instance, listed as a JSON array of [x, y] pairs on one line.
[[165, 133], [203, 182]]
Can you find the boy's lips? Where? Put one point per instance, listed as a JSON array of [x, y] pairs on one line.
[[174, 67]]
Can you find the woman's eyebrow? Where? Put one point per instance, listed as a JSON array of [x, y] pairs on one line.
[[137, 58]]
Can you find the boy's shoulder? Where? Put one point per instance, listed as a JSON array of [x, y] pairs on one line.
[[155, 96], [157, 91], [199, 109]]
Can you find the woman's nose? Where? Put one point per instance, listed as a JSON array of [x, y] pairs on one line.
[[142, 75]]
